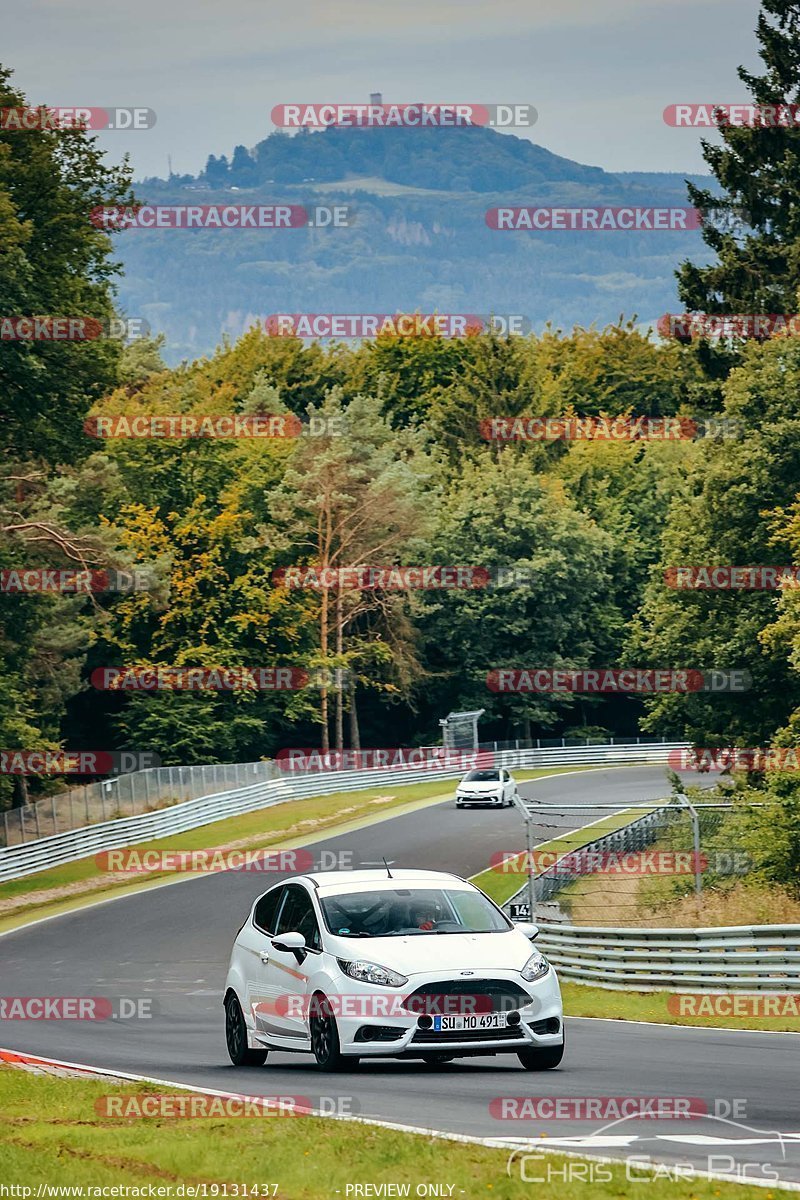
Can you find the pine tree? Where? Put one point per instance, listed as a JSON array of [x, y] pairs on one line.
[[754, 226]]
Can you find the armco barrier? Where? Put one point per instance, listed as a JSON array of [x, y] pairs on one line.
[[760, 958], [26, 859]]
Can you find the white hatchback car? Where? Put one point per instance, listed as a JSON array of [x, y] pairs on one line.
[[400, 963], [487, 785]]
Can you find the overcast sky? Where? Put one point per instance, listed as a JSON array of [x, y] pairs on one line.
[[599, 72]]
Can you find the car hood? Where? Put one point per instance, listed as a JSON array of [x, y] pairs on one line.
[[480, 786], [443, 953]]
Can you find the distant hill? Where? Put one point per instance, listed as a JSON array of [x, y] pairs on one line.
[[419, 241]]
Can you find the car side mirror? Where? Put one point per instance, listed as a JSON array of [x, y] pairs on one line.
[[530, 930], [291, 943]]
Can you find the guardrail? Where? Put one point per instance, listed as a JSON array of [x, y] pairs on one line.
[[760, 958], [26, 859], [130, 794]]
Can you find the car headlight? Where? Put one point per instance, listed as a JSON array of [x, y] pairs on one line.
[[370, 972], [536, 966]]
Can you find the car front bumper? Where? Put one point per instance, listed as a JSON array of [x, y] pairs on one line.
[[540, 1024], [480, 798]]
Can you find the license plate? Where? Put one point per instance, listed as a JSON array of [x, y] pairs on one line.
[[476, 1021]]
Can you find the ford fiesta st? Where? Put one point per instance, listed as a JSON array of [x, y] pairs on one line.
[[380, 963]]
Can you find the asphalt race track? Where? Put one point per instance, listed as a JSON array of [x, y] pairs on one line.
[[171, 945]]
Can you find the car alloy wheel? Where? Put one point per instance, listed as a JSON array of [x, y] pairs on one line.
[[236, 1037], [325, 1036]]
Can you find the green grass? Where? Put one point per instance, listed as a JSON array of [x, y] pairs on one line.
[[50, 1133], [581, 1000], [501, 885], [295, 823]]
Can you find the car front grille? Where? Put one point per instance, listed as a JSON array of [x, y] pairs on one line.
[[476, 996], [443, 1036]]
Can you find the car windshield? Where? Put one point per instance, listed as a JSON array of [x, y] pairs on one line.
[[400, 912], [481, 777]]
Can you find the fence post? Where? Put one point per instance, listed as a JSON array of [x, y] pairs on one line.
[[53, 806], [698, 872], [36, 815], [531, 879], [86, 801], [22, 825]]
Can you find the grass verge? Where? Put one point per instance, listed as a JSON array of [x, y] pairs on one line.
[[50, 1134], [295, 823], [581, 1000]]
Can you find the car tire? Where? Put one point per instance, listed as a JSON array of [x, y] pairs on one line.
[[325, 1042], [236, 1037], [541, 1059], [437, 1060], [459, 804]]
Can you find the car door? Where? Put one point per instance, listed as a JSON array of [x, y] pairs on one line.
[[255, 942], [287, 977]]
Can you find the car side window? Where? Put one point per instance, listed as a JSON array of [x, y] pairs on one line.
[[504, 776], [298, 916], [267, 909]]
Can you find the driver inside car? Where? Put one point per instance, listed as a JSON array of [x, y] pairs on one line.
[[424, 916]]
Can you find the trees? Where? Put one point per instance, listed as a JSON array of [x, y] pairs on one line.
[[557, 614], [753, 226], [53, 262], [731, 513], [353, 495]]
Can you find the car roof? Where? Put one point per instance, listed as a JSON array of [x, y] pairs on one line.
[[345, 881]]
